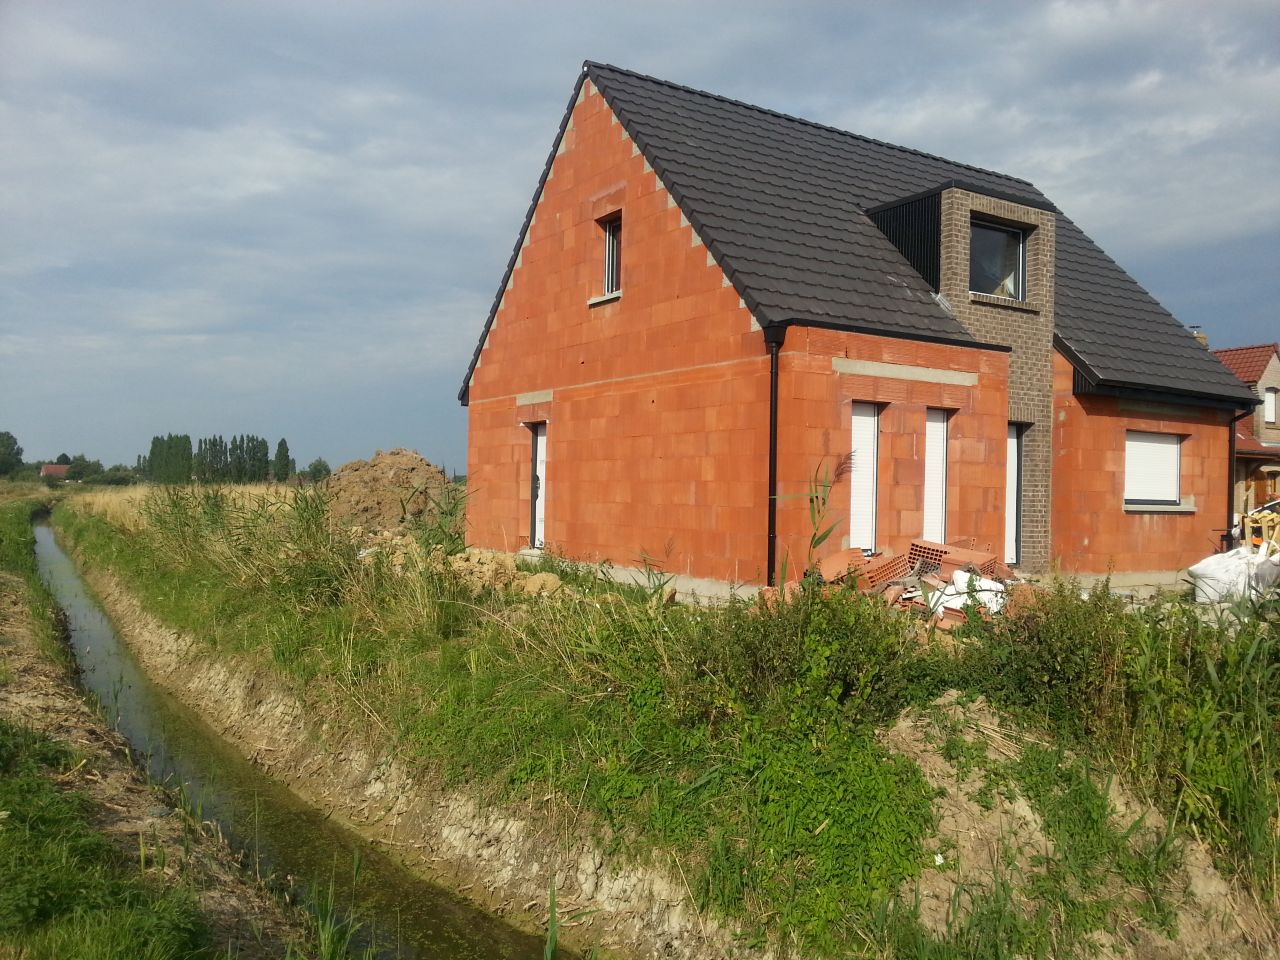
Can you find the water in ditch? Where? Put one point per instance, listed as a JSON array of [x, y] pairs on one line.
[[406, 917]]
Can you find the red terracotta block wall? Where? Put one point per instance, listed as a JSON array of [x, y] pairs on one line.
[[815, 410], [1092, 532], [657, 421]]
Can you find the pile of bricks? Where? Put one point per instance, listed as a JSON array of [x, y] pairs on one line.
[[909, 580]]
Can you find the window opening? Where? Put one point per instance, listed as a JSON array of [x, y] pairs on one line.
[[997, 261]]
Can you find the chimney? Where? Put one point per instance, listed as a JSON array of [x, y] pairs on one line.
[[1200, 335]]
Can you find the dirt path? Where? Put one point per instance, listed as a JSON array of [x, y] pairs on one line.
[[36, 691]]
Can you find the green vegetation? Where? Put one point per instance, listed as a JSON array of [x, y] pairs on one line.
[[317, 470], [65, 891], [738, 747], [10, 453], [282, 465], [1184, 705]]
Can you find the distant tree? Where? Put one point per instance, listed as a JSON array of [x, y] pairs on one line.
[[63, 460], [116, 475], [10, 453], [259, 460], [170, 459], [317, 470], [82, 468], [282, 465]]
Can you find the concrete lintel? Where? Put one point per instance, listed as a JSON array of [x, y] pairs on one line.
[[903, 371], [534, 396]]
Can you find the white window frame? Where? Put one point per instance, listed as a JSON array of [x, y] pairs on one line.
[[1269, 405], [1152, 468], [612, 227]]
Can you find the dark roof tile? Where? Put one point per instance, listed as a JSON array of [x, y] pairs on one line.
[[781, 203]]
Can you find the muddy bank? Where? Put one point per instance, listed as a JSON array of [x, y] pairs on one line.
[[504, 859], [40, 692]]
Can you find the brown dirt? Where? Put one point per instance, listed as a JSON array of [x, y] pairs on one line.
[[385, 491], [36, 690], [976, 844], [1216, 919]]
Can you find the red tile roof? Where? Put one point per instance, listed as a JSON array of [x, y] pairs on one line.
[[56, 470], [1248, 363], [1248, 444]]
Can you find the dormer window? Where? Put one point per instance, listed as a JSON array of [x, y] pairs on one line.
[[997, 260]]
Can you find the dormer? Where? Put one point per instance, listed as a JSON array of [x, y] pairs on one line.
[[975, 245]]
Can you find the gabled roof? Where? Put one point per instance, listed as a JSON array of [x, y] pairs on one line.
[[55, 470], [1248, 363], [781, 204]]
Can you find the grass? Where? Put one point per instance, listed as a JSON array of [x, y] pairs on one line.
[[736, 746], [65, 890]]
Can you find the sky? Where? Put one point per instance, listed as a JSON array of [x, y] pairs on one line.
[[290, 218]]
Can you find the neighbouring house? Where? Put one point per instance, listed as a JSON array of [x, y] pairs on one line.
[[54, 471], [710, 303], [1257, 449]]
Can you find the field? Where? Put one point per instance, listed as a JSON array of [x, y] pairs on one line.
[[824, 774]]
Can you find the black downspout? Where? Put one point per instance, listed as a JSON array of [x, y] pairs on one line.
[[1228, 536], [774, 335]]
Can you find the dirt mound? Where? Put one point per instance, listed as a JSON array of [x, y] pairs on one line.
[[990, 831], [385, 491], [978, 836]]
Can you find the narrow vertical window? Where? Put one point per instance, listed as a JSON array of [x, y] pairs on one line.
[[538, 486], [862, 476], [935, 475], [1269, 405], [612, 228], [1013, 496]]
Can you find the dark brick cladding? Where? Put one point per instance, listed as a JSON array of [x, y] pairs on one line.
[[1027, 327]]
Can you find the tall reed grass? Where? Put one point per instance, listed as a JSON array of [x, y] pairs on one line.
[[739, 740]]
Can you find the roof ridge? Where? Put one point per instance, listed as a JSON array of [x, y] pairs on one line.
[[1249, 346], [588, 64]]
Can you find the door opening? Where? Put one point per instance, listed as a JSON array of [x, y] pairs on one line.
[[862, 476], [538, 486]]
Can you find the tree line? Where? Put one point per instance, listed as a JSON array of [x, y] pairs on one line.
[[173, 458], [244, 458]]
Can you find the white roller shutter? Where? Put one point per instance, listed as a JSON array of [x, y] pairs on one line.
[[862, 478], [1152, 466], [1269, 406], [935, 475]]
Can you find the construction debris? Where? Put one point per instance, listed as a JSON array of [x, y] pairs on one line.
[[1236, 574], [939, 581]]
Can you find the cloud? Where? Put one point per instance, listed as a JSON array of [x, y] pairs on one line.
[[299, 213]]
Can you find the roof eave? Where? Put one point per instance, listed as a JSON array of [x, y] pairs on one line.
[[1101, 386]]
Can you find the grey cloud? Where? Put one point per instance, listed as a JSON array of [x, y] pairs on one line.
[[291, 217]]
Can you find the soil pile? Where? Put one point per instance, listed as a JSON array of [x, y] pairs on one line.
[[384, 492], [988, 832]]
